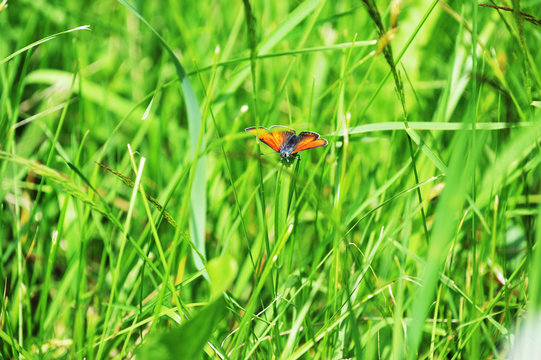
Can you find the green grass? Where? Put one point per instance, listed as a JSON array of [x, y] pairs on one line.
[[411, 235]]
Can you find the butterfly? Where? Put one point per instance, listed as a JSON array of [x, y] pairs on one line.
[[286, 141]]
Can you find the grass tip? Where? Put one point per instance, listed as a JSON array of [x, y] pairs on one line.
[[147, 110]]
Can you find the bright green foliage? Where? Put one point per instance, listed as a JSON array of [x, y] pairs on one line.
[[187, 341], [412, 234]]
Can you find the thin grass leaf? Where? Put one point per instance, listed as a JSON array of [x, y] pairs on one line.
[[198, 198], [34, 44]]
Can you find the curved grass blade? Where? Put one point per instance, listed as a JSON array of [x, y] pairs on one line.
[[34, 44], [198, 193]]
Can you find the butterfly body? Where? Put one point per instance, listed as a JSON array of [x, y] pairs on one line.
[[286, 141]]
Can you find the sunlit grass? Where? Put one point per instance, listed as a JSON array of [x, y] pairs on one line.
[[139, 219]]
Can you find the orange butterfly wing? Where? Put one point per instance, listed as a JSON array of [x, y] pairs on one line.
[[265, 136], [309, 140], [274, 137]]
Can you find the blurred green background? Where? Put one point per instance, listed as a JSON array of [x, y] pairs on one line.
[[412, 234]]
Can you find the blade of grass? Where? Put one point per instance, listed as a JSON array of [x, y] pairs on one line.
[[116, 274], [196, 127], [34, 44]]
